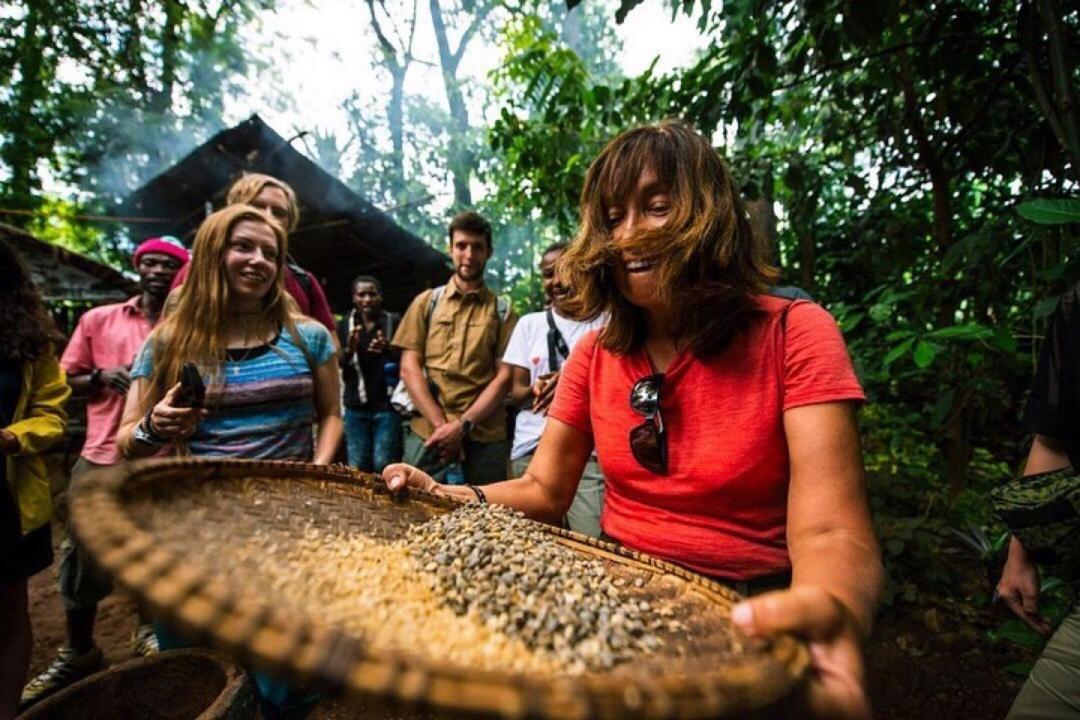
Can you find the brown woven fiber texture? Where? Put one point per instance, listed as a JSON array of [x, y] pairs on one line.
[[305, 570]]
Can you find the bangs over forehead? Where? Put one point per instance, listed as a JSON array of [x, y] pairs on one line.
[[648, 148]]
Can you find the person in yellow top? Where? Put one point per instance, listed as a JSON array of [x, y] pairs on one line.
[[33, 391]]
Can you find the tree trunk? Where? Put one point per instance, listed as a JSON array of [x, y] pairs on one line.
[[956, 445], [170, 41], [21, 152], [397, 63], [462, 160], [763, 216], [131, 48], [395, 116], [807, 259], [1061, 71]]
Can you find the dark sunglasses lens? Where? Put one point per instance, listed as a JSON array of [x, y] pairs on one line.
[[647, 444], [645, 396]]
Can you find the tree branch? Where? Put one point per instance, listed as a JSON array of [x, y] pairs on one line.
[[412, 33], [1027, 33], [1062, 75], [1003, 77], [899, 47], [466, 36], [388, 49]]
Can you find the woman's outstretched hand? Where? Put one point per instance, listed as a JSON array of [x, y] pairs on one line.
[[837, 685], [400, 476]]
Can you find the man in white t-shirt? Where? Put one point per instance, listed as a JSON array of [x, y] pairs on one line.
[[538, 347]]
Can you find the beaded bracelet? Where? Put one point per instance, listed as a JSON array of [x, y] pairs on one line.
[[480, 496]]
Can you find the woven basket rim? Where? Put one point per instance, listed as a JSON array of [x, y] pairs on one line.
[[311, 650]]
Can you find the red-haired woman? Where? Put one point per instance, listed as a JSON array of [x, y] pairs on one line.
[[33, 391], [723, 417]]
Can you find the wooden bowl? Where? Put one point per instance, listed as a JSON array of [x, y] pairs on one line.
[[176, 532]]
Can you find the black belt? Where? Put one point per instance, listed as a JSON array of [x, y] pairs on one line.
[[746, 588], [756, 585]]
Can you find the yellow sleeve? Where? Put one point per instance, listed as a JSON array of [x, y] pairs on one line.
[[44, 422]]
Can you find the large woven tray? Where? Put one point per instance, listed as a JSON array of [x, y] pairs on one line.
[[127, 516]]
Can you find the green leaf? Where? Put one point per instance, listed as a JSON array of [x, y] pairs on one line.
[[1020, 634], [967, 331], [943, 406], [1051, 211], [1020, 668], [1003, 339], [894, 546], [897, 352], [925, 352], [1046, 307], [1054, 272], [1050, 584], [624, 9], [850, 322], [880, 312]]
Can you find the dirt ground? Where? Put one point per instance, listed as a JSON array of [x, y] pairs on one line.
[[933, 666]]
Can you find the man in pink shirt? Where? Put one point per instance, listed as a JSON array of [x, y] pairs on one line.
[[96, 360]]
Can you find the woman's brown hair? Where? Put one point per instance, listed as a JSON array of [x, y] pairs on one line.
[[708, 261], [27, 331]]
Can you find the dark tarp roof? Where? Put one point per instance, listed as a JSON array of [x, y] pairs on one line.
[[341, 235], [61, 274]]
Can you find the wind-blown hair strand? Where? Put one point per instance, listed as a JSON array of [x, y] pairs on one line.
[[708, 261]]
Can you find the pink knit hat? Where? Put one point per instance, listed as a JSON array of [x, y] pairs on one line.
[[165, 245]]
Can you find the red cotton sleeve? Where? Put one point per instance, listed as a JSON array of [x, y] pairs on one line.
[[320, 308], [571, 403], [817, 368]]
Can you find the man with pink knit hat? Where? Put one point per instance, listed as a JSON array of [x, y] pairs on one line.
[[96, 360]]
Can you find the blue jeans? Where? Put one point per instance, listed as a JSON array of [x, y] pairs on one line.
[[372, 438]]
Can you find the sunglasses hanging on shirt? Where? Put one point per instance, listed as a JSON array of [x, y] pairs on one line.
[[648, 441]]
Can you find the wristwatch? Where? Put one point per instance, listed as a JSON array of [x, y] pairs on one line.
[[144, 433], [468, 425]]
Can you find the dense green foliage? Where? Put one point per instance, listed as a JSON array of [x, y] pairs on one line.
[[103, 94]]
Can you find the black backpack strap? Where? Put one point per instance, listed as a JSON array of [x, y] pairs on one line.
[[391, 321], [557, 347]]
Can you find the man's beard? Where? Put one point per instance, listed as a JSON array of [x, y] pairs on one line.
[[477, 274]]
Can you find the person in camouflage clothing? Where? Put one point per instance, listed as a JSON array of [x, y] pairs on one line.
[[1052, 689]]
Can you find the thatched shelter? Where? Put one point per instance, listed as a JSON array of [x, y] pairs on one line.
[[63, 275], [341, 235]]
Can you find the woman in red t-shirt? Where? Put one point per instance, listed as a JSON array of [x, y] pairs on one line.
[[723, 417]]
